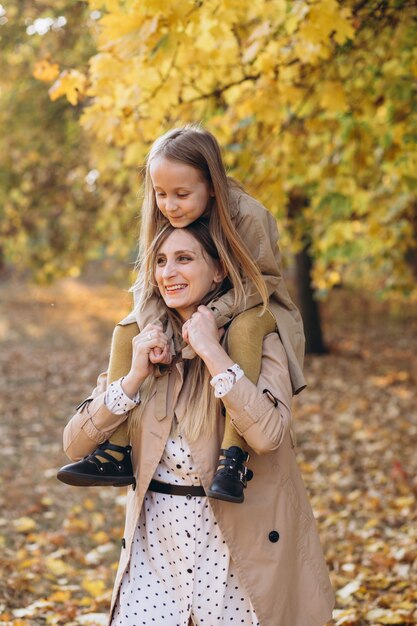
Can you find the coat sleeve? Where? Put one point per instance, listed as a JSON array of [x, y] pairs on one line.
[[92, 424], [262, 413], [258, 230]]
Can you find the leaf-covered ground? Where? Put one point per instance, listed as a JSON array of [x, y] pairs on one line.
[[357, 438]]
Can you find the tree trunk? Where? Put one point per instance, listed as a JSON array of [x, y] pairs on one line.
[[309, 307], [2, 263], [411, 254]]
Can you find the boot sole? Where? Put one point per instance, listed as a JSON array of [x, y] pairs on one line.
[[225, 497], [83, 480]]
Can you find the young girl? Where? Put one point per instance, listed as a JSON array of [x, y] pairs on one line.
[[186, 179]]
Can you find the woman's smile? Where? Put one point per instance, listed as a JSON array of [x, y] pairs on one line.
[[175, 288], [184, 273]]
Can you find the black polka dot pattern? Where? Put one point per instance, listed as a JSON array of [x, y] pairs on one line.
[[117, 401], [180, 565]]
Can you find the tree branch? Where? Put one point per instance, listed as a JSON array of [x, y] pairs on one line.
[[220, 90]]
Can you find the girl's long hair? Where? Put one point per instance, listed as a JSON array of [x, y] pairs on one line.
[[203, 409], [198, 148]]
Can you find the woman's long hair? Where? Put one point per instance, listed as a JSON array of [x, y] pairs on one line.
[[194, 146], [203, 409]]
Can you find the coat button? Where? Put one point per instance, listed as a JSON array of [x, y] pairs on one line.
[[123, 542], [273, 536]]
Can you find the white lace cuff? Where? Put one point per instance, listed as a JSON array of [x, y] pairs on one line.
[[117, 401], [223, 382]]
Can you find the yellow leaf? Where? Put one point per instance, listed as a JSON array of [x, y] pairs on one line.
[[135, 153], [21, 554], [45, 70], [383, 616], [307, 468], [116, 25], [26, 564], [349, 589], [207, 41], [334, 277], [71, 83], [343, 27], [58, 567], [101, 537], [345, 617], [88, 504], [261, 31], [372, 523], [251, 52], [24, 525], [60, 596], [404, 502], [325, 19], [406, 605], [76, 525], [97, 520], [74, 271], [95, 588], [317, 28], [332, 97]]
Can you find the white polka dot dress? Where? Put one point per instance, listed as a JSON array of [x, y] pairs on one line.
[[180, 566]]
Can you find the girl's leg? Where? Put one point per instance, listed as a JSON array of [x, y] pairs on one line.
[[119, 365], [110, 463], [244, 346]]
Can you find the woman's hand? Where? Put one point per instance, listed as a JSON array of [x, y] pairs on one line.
[[149, 347], [201, 332]]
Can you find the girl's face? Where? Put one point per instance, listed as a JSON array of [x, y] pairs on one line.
[[182, 194], [185, 273]]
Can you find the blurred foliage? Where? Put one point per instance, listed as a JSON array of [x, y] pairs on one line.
[[53, 215], [313, 99]]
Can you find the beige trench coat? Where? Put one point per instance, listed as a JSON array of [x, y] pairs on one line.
[[272, 536]]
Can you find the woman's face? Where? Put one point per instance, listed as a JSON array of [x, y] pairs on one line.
[[185, 273]]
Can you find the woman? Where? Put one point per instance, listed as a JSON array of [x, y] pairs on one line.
[[187, 558]]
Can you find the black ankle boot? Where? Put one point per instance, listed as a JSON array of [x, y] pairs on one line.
[[231, 477], [92, 472]]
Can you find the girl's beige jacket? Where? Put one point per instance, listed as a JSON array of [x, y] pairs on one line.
[[272, 536], [258, 230]]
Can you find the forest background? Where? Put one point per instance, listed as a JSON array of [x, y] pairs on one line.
[[314, 103]]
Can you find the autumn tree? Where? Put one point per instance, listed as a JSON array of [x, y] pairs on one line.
[[314, 97], [52, 214]]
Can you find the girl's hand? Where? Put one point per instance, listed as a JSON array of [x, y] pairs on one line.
[[151, 338]]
